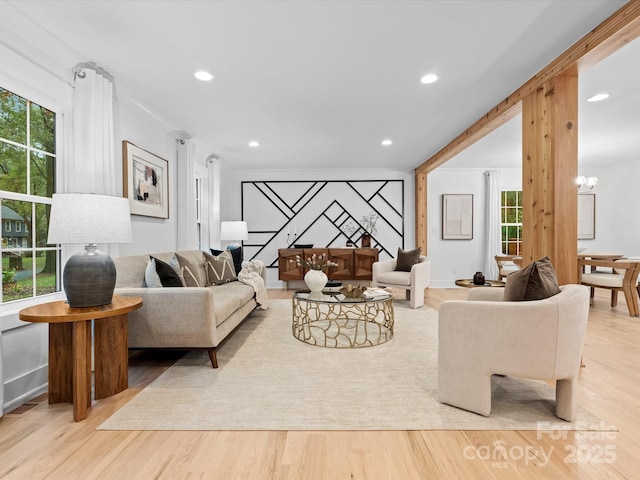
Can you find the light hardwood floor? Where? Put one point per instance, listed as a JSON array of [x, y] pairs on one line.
[[43, 441]]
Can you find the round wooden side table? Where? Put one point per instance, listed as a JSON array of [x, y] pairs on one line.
[[468, 283], [70, 349]]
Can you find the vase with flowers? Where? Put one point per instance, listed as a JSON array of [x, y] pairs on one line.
[[315, 278]]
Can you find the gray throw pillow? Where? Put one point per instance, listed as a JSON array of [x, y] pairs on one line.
[[407, 259], [193, 274], [534, 282], [219, 268]]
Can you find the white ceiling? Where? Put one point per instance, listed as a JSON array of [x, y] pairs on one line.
[[609, 131], [318, 83]]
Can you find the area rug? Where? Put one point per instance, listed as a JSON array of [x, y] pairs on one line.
[[268, 380]]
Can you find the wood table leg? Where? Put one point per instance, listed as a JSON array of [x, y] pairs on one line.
[[60, 363], [111, 356], [81, 369]]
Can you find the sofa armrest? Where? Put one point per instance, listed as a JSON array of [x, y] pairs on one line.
[[421, 274], [486, 294], [172, 317]]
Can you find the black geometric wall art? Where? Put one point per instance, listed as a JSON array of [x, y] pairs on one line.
[[326, 213]]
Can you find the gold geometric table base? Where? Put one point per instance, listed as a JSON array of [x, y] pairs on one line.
[[334, 322]]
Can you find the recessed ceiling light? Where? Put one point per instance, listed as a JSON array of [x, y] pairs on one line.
[[254, 144], [598, 98], [386, 142], [204, 76], [429, 78]]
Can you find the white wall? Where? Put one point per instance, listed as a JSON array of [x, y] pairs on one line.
[[231, 194], [45, 77], [454, 259], [617, 216]]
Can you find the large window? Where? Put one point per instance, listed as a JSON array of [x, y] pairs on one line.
[[27, 183], [511, 221]]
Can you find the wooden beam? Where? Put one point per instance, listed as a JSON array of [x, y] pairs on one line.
[[616, 31], [420, 186], [550, 165]]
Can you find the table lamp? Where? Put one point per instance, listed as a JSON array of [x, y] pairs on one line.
[[236, 231], [89, 277]]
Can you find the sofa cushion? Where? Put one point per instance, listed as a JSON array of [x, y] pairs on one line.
[[168, 275], [194, 260], [151, 277], [407, 259], [534, 282], [394, 278], [229, 297], [193, 273], [236, 253], [219, 268]]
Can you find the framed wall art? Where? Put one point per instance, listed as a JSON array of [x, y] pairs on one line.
[[457, 216], [146, 182], [586, 216]]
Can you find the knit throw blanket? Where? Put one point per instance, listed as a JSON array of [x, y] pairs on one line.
[[251, 274]]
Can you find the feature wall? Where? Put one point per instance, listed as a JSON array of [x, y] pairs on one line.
[[323, 208]]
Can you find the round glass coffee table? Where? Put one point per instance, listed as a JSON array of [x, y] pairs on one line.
[[334, 321]]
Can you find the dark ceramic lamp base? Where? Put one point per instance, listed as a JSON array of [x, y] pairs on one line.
[[89, 278]]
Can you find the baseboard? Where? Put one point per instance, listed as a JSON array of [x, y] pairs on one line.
[[21, 389]]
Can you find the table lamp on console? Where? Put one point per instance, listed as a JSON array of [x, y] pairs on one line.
[[89, 277]]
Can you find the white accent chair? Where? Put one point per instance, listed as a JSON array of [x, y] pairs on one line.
[[414, 282], [483, 336]]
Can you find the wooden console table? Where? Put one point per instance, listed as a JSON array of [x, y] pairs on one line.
[[70, 349], [353, 263]]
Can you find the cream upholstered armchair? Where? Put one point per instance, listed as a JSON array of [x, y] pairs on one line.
[[414, 282], [539, 339]]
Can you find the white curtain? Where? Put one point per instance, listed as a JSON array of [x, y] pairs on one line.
[[187, 225], [91, 167], [492, 230]]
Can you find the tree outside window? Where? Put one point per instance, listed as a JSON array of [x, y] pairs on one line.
[[511, 221], [27, 183]]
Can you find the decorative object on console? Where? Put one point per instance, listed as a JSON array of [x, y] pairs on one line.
[[89, 277], [478, 279]]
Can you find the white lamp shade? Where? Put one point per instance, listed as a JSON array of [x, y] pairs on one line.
[[85, 218], [235, 230]]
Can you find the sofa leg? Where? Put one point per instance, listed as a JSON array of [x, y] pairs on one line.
[[213, 357]]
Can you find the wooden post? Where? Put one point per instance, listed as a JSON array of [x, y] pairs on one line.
[[421, 211], [550, 165]]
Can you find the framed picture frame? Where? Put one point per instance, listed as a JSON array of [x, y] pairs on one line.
[[587, 216], [146, 181], [457, 216]]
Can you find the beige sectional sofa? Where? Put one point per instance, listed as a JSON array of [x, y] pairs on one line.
[[181, 317]]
